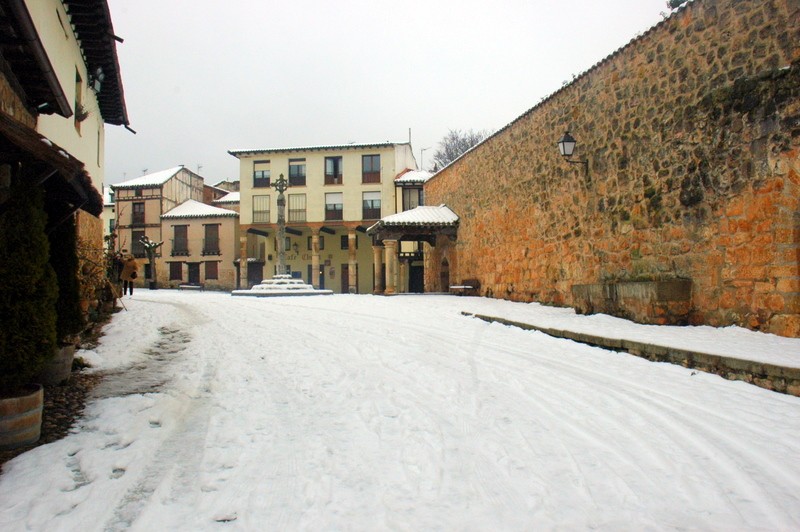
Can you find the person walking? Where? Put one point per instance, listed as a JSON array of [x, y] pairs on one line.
[[129, 272]]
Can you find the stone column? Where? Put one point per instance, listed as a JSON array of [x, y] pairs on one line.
[[352, 262], [242, 279], [315, 257], [391, 266], [377, 270], [401, 282]]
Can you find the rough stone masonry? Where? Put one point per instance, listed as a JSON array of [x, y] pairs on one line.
[[692, 133]]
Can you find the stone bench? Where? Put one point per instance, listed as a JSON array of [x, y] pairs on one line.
[[468, 287], [662, 302], [191, 286]]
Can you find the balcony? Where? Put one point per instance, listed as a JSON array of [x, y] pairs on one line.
[[211, 246], [372, 213], [180, 247], [333, 179], [371, 177], [137, 218], [333, 212]]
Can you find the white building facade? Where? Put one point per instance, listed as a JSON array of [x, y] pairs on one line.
[[335, 193]]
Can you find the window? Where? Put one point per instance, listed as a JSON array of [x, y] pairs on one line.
[[297, 172], [333, 170], [138, 193], [334, 205], [370, 168], [180, 240], [372, 205], [175, 271], [321, 243], [138, 213], [261, 174], [211, 240], [260, 209], [297, 208], [112, 224], [343, 242], [137, 248], [412, 198], [212, 270]]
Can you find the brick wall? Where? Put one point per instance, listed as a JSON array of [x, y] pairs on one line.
[[692, 132]]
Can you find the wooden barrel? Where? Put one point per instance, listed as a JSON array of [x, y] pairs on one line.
[[21, 419], [58, 368]]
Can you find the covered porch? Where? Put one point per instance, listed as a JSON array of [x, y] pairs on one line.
[[398, 246]]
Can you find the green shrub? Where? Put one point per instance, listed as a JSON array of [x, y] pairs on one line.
[[28, 288]]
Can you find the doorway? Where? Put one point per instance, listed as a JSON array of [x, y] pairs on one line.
[[194, 272], [255, 273], [346, 279], [416, 279], [321, 276]]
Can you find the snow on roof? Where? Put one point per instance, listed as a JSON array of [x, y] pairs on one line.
[[353, 145], [150, 180], [425, 215], [195, 209], [412, 176], [230, 197]]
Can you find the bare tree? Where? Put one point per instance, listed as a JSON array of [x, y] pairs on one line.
[[454, 144], [150, 248]]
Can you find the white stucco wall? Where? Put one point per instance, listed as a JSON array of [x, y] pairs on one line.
[[86, 142]]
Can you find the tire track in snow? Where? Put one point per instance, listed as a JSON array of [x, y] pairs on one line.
[[171, 463], [719, 453], [722, 455]]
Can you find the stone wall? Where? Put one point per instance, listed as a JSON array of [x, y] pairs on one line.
[[692, 133], [11, 104]]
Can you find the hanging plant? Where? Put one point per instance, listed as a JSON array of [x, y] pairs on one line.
[[81, 113]]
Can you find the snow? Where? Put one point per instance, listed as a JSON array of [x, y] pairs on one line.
[[413, 176], [195, 209], [423, 215], [150, 180], [230, 197], [322, 147], [361, 412]]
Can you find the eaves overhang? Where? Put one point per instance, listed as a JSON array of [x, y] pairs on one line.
[[91, 20]]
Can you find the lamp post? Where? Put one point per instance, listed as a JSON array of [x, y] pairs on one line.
[[281, 185], [567, 147], [421, 154]]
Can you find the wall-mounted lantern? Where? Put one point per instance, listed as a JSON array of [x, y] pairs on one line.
[[567, 147]]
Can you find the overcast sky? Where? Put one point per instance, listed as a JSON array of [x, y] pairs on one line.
[[205, 76]]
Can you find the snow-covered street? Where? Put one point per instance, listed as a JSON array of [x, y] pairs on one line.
[[371, 413]]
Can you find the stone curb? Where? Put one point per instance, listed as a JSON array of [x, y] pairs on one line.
[[776, 378]]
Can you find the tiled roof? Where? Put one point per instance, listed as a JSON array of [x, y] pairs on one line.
[[149, 180], [196, 209], [412, 176], [425, 215], [253, 151], [230, 197]]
